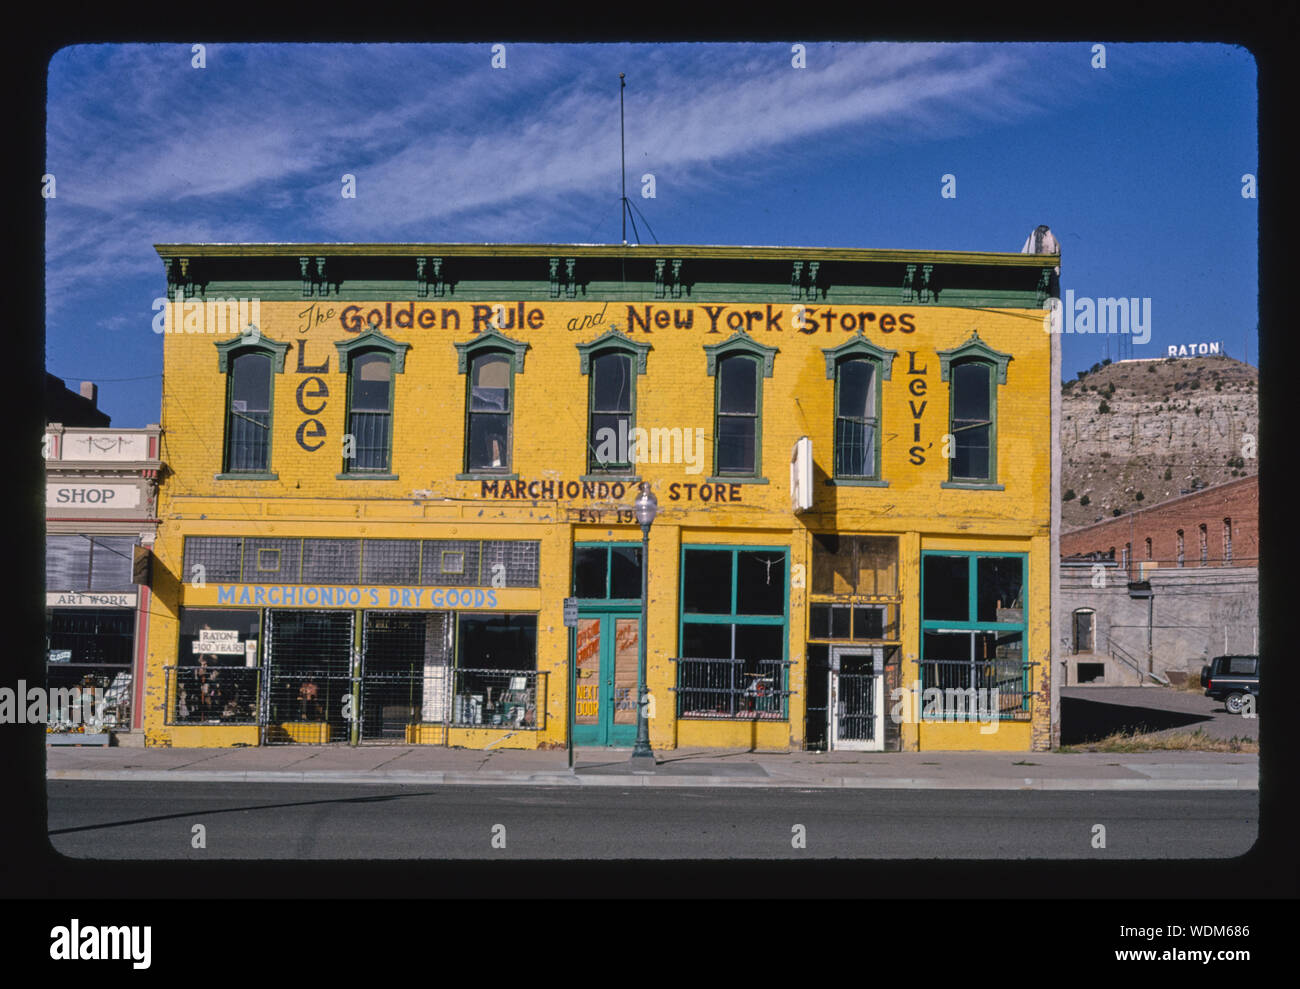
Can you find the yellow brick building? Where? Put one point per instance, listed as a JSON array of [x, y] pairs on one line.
[[388, 466]]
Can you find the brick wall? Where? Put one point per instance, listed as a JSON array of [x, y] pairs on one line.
[[1235, 500]]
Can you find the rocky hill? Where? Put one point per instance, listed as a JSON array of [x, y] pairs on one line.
[[1136, 433]]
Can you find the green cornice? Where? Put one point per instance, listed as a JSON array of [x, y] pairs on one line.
[[666, 274], [649, 252]]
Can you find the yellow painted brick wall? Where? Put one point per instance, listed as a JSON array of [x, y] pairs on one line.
[[550, 425]]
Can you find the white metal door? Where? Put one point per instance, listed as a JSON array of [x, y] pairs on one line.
[[857, 699]]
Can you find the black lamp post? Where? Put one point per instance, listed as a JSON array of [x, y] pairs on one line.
[[646, 508]]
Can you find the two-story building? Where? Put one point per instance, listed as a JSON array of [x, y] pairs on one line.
[[391, 464], [100, 494]]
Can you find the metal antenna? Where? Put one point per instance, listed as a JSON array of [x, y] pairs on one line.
[[622, 154]]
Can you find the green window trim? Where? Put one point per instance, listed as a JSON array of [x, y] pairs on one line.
[[616, 343], [733, 617], [371, 341], [880, 362], [740, 344], [973, 625], [607, 600], [975, 351], [490, 343], [251, 341]]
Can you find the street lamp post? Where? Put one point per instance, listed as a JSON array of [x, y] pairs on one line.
[[646, 508]]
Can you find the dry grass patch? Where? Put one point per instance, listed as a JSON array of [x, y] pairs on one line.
[[1182, 741]]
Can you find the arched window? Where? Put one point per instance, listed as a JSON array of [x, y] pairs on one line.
[[250, 363], [371, 362], [612, 363], [973, 370], [490, 363], [739, 363], [858, 368]]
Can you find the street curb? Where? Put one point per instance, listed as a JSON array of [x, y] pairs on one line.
[[565, 778]]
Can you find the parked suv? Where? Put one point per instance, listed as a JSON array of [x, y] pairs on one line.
[[1230, 679]]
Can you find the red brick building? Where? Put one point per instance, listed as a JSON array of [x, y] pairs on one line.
[[1215, 527]]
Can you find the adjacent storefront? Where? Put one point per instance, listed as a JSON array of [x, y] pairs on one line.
[[100, 487]]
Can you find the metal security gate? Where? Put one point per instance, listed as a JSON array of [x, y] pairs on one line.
[[856, 699], [405, 659], [309, 689]]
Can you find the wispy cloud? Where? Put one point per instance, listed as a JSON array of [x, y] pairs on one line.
[[254, 146]]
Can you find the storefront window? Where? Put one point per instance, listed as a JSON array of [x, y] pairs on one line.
[[495, 680], [973, 629], [215, 679], [92, 649], [733, 633]]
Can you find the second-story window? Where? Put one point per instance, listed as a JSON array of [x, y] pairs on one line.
[[611, 405], [371, 361], [857, 420], [1180, 547], [490, 363], [1227, 540], [1205, 545], [739, 364], [972, 421], [490, 421], [250, 363], [612, 363], [974, 370], [370, 412], [737, 416], [248, 415]]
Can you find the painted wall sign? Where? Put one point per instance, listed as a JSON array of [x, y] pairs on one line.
[[343, 596], [916, 387], [636, 319], [65, 495], [75, 600]]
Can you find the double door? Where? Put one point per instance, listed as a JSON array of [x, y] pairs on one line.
[[605, 652]]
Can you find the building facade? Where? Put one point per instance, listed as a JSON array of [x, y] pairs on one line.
[[1217, 526], [100, 517], [391, 465], [1156, 593]]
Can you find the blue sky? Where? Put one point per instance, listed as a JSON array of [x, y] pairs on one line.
[[1137, 167]]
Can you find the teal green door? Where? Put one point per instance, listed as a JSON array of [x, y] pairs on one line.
[[606, 654]]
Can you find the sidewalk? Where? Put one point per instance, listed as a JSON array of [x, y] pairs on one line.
[[426, 764]]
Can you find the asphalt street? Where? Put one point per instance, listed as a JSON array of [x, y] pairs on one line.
[[272, 820]]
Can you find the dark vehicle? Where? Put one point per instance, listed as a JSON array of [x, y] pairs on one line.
[[1231, 679]]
